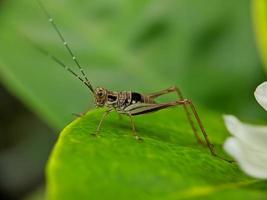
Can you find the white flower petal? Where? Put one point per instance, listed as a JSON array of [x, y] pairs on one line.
[[248, 146], [251, 135], [261, 95], [252, 162]]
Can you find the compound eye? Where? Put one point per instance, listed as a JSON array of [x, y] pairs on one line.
[[101, 93]]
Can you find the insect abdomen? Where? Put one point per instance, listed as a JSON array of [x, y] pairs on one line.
[[137, 98]]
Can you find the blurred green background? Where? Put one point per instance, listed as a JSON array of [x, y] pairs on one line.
[[206, 47]]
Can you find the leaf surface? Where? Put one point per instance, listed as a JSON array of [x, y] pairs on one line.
[[168, 164]]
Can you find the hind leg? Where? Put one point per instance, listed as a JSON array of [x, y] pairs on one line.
[[147, 108], [189, 117]]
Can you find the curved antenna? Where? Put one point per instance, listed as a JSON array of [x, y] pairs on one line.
[[50, 19]]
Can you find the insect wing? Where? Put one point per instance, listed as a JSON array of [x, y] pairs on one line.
[[143, 108]]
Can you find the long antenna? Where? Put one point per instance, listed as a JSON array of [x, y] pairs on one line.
[[58, 61], [50, 19]]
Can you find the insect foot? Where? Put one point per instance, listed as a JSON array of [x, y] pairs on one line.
[[79, 115], [227, 160], [138, 139], [95, 135]]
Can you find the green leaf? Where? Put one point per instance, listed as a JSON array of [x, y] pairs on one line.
[[136, 45], [260, 26], [168, 164]]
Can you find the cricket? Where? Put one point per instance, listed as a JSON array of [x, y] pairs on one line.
[[130, 103]]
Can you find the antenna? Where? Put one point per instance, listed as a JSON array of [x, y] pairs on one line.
[[50, 19], [58, 61]]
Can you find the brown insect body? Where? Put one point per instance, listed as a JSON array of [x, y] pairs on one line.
[[119, 101]]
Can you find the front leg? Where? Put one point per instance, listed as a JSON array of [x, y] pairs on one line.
[[79, 115], [100, 123]]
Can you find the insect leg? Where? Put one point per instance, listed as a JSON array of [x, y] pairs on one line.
[[78, 115], [142, 108], [175, 89], [100, 123], [154, 95], [200, 124], [136, 136], [147, 108], [179, 93]]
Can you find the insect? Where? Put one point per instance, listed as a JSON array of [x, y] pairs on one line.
[[127, 102]]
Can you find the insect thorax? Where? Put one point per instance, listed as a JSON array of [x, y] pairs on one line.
[[120, 100]]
